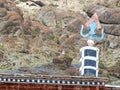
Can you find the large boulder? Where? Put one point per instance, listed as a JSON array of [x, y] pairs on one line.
[[74, 26], [47, 17], [112, 29], [114, 41], [63, 62], [54, 17]]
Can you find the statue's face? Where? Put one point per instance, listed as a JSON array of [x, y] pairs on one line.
[[90, 42]]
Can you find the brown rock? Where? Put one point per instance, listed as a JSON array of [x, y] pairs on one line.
[[59, 17], [112, 29], [106, 3], [75, 26], [3, 12], [72, 71], [63, 63], [41, 27], [47, 17], [7, 27], [109, 3], [13, 16], [106, 15], [10, 18]]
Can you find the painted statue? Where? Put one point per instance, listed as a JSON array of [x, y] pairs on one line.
[[95, 28]]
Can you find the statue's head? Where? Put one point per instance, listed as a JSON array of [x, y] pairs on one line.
[[90, 42]]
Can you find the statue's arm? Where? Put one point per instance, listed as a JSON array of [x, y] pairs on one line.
[[81, 32], [102, 36]]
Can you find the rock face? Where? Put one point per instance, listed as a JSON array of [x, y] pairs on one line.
[[29, 8], [109, 17], [10, 17], [47, 17], [112, 29], [37, 32], [106, 15]]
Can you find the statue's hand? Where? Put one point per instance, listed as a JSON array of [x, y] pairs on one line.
[[101, 29]]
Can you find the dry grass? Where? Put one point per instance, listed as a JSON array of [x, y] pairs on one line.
[[16, 59]]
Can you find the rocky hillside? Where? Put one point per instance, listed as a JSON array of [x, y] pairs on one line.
[[42, 37]]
